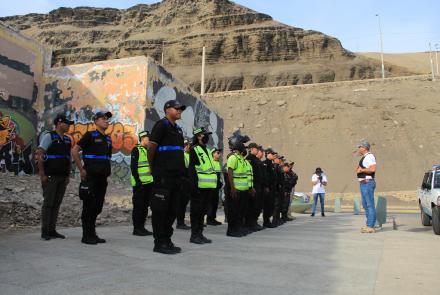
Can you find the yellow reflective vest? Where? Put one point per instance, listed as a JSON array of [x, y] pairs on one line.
[[207, 177], [143, 167]]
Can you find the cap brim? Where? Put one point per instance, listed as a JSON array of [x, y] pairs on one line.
[[70, 122], [108, 115]]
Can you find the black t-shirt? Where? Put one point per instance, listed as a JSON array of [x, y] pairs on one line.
[[169, 160], [96, 152]]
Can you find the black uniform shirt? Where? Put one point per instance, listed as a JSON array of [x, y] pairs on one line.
[[96, 152], [256, 168], [169, 159], [271, 175]]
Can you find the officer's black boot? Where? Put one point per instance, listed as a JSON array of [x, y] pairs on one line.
[[163, 248], [88, 237]]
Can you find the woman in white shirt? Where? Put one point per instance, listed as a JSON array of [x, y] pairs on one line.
[[319, 180]]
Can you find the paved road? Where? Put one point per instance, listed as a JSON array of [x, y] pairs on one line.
[[307, 256]]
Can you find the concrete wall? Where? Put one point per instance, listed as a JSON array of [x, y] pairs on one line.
[[163, 86], [22, 62], [133, 89]]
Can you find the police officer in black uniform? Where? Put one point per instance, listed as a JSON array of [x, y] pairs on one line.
[[183, 201], [54, 164], [269, 189], [254, 201], [276, 220], [165, 153], [96, 149]]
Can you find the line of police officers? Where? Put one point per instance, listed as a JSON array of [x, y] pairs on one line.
[[167, 172]]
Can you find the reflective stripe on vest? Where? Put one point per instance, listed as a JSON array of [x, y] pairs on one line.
[[168, 148], [207, 178], [217, 167], [95, 157], [186, 155], [143, 168], [240, 175], [250, 174]]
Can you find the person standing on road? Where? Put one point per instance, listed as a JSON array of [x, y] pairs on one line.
[[319, 181], [366, 172], [203, 179], [213, 204], [255, 202], [269, 188], [96, 149], [166, 156], [183, 201], [54, 165], [142, 183]]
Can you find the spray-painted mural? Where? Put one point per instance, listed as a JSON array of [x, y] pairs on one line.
[[162, 86], [79, 91], [22, 62], [134, 90]]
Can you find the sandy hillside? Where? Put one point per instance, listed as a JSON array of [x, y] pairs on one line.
[[320, 125], [417, 62]]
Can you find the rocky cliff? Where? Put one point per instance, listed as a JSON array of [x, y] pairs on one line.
[[263, 52]]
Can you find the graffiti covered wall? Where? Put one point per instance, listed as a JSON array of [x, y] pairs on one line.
[[134, 90], [22, 62], [118, 86], [163, 86]]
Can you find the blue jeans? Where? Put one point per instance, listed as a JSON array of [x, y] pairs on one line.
[[315, 202], [367, 192]]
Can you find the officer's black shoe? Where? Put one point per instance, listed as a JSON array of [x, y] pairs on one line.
[[141, 232], [183, 226], [234, 234], [312, 215], [214, 222], [205, 239], [45, 236], [99, 240], [322, 214], [89, 241], [56, 235], [258, 227], [163, 249], [174, 247], [197, 240], [268, 225]]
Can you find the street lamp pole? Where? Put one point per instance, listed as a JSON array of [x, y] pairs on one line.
[[381, 46], [432, 63], [436, 57]]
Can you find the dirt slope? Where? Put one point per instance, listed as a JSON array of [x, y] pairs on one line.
[[320, 125], [418, 62]]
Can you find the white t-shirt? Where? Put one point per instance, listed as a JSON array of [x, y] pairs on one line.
[[319, 188], [368, 161]]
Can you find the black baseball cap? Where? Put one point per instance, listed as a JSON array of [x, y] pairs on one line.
[[217, 150], [270, 151], [98, 115], [174, 104], [143, 134], [197, 131], [253, 145], [61, 118]]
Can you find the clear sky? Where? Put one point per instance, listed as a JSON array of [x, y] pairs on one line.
[[408, 25]]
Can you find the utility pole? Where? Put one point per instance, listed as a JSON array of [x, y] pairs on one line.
[[381, 47], [163, 48], [432, 63], [436, 58], [202, 85]]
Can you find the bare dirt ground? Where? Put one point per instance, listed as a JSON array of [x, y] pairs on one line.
[[417, 62], [320, 125]]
